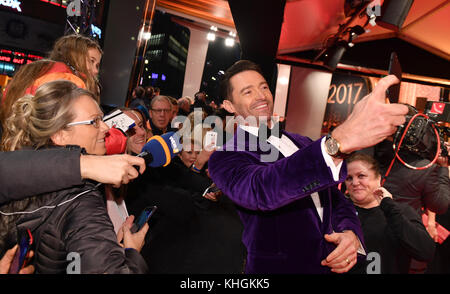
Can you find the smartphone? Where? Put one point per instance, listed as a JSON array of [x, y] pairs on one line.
[[119, 120], [211, 189], [25, 241], [210, 140], [395, 68], [143, 218]]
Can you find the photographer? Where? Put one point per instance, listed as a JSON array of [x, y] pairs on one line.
[[420, 188], [427, 189]]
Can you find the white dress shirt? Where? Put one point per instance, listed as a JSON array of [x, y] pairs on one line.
[[287, 148]]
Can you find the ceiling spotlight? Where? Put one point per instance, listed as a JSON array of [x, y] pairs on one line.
[[335, 54], [232, 34], [356, 31], [213, 28], [211, 36], [229, 42]]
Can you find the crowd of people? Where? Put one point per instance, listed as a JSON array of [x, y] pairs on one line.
[[220, 209]]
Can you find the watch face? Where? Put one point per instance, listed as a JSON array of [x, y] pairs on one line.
[[332, 146]]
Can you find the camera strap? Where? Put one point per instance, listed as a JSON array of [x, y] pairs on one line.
[[397, 149]]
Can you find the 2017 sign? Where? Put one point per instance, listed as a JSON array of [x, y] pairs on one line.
[[345, 91], [340, 92]]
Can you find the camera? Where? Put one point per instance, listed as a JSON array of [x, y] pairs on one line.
[[420, 138]]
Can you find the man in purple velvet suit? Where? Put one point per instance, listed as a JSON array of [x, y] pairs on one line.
[[284, 184]]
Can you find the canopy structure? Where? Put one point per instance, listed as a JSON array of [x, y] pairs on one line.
[[300, 31]]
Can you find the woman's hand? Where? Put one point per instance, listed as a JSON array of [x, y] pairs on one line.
[[213, 196], [431, 225], [5, 262], [380, 193], [443, 160], [204, 156], [127, 239]]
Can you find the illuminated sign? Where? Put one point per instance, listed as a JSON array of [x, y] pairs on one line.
[[6, 68], [14, 4], [17, 57]]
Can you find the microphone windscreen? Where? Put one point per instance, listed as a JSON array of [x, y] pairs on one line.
[[162, 148]]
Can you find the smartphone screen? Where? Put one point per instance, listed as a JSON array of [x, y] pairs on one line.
[[143, 218], [393, 91], [25, 242], [210, 140]]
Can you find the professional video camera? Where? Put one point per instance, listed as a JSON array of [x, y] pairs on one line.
[[421, 131]]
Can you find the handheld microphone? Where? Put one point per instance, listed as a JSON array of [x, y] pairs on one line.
[[159, 150]]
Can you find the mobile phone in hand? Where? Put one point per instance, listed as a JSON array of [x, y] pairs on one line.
[[143, 218], [25, 240], [393, 92], [211, 189], [211, 140]]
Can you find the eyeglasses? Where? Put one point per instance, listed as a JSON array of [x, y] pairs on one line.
[[162, 110], [95, 122]]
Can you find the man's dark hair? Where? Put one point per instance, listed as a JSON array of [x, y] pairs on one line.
[[198, 93], [238, 67], [139, 92], [149, 92]]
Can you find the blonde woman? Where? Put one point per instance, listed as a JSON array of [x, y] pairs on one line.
[[71, 221]]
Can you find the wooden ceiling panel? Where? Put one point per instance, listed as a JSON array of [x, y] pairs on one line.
[[216, 11], [432, 32]]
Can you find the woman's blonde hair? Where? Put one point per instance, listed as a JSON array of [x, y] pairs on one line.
[[22, 79], [34, 119], [73, 51]]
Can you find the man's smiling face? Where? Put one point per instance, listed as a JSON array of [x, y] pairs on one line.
[[250, 95]]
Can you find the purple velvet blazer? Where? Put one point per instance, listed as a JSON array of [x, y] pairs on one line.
[[282, 229]]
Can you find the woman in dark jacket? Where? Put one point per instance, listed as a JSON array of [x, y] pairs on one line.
[[393, 232], [69, 222]]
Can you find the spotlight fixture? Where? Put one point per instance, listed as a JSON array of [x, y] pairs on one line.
[[229, 42], [353, 33], [211, 36], [357, 30], [335, 54], [394, 13]]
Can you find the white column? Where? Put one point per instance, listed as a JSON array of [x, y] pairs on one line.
[[307, 101], [281, 92], [198, 46]]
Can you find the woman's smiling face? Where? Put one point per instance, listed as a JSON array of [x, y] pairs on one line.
[[361, 182]]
